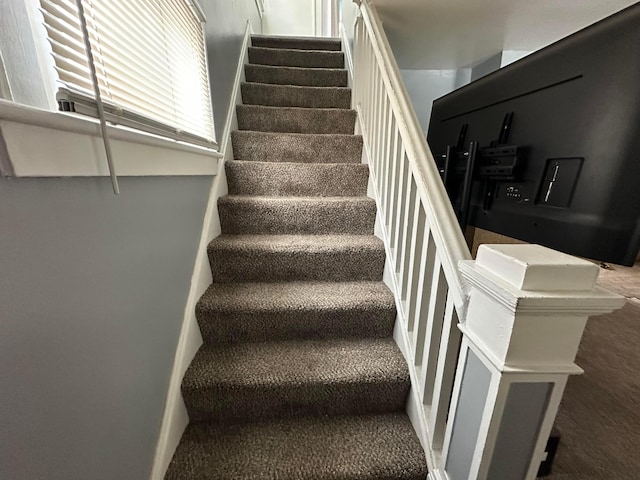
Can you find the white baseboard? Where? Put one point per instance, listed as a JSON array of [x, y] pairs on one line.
[[175, 419], [348, 55], [437, 475]]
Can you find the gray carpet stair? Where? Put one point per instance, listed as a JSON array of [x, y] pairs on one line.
[[366, 447], [299, 376], [282, 258], [256, 312], [297, 179], [252, 381], [295, 119], [298, 43], [295, 95], [296, 147], [311, 77], [286, 57], [246, 214]]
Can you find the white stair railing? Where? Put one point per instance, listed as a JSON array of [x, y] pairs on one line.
[[425, 240], [490, 343]]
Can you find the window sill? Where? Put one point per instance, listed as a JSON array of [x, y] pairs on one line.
[[41, 143]]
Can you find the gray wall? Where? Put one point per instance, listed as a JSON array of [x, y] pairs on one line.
[[519, 430], [348, 13], [424, 86], [226, 23], [486, 67], [92, 295], [495, 62]]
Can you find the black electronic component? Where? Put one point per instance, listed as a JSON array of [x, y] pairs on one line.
[[564, 168]]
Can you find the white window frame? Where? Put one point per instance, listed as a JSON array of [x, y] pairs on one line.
[[79, 101]]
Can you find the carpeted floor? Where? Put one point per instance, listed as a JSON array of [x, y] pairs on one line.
[[599, 418], [299, 376]]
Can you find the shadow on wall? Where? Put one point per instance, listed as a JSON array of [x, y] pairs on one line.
[[93, 290], [226, 24]]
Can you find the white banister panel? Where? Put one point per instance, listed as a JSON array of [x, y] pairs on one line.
[[381, 126], [447, 235], [435, 319], [394, 155], [419, 238], [395, 158], [394, 178], [424, 241], [377, 128], [398, 211], [407, 229], [445, 374], [427, 271], [440, 324], [371, 94], [375, 131], [387, 158], [373, 106]]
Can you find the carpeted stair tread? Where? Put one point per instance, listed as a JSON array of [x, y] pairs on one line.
[[296, 179], [369, 447], [295, 119], [296, 147], [248, 381], [236, 312], [250, 214], [288, 57], [278, 258], [299, 376], [295, 96], [313, 77], [301, 43]]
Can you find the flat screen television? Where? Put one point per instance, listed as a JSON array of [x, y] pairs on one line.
[[555, 141]]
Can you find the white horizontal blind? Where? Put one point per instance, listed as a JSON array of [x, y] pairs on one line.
[[150, 59]]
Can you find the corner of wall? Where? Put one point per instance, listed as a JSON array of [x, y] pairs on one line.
[[175, 418]]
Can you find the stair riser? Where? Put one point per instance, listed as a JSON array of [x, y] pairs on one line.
[[229, 403], [223, 327], [292, 96], [311, 77], [296, 43], [367, 447], [296, 179], [296, 58], [235, 265], [252, 146], [296, 218], [295, 120]]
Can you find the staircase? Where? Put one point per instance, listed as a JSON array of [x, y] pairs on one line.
[[299, 376]]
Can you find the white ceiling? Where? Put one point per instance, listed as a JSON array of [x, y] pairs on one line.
[[449, 34]]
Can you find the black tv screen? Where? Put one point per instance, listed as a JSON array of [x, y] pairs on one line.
[[568, 120]]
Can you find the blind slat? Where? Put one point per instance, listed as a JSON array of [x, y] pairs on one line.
[[150, 60]]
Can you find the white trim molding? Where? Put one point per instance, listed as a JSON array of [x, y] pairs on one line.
[[348, 55], [523, 339], [41, 143]]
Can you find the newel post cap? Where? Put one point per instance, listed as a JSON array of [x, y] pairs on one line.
[[534, 267], [528, 304]]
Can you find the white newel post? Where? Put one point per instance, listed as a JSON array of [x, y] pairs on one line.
[[528, 307]]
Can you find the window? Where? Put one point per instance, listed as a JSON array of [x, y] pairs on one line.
[[150, 60]]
